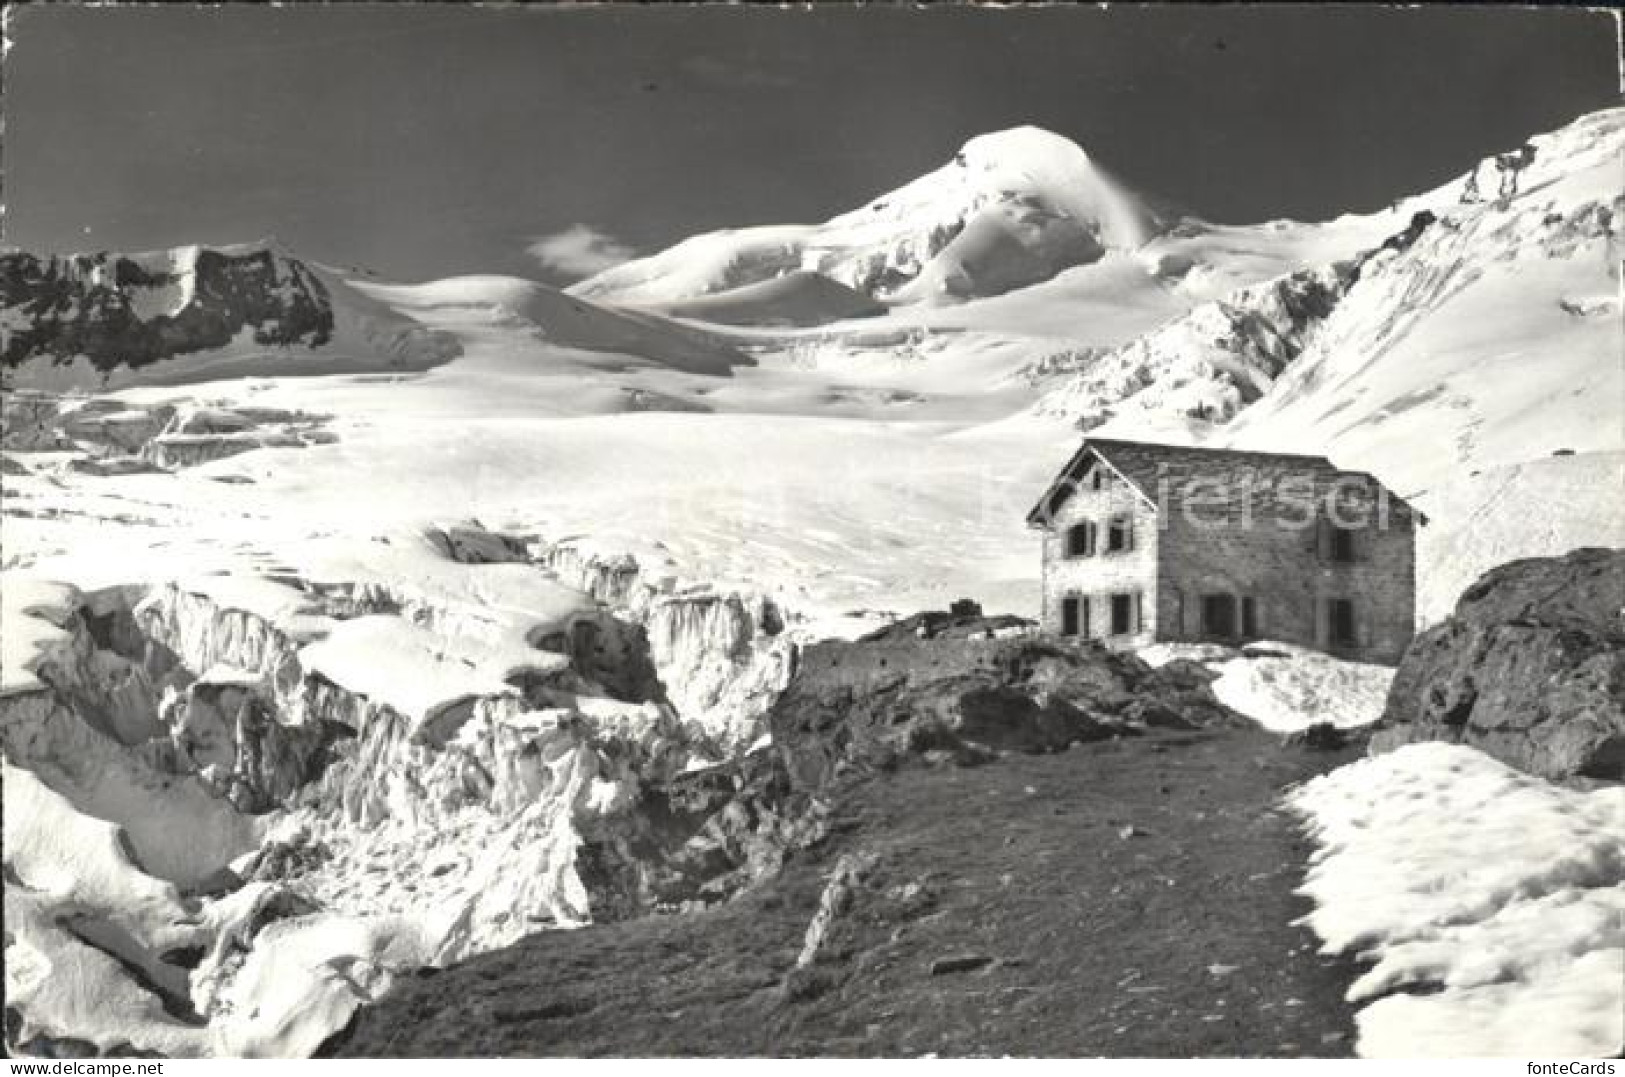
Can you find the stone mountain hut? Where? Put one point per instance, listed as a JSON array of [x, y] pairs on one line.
[[1147, 542]]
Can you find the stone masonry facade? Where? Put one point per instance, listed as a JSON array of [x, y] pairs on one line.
[[1334, 570], [1094, 580]]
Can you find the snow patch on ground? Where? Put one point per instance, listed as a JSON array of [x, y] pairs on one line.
[[1500, 893], [1284, 687], [1302, 688], [1160, 654]]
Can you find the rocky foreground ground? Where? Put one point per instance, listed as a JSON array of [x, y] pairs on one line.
[[1023, 851], [961, 844]]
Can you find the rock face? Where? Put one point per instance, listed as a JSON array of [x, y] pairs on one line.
[[697, 839], [1221, 356], [1530, 669], [97, 305], [107, 319]]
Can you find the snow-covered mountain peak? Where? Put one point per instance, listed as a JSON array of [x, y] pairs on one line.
[[1025, 166], [1011, 208], [1023, 146]]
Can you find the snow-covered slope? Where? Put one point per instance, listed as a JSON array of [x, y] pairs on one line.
[[191, 314], [1492, 338], [799, 298], [565, 321], [1012, 208]]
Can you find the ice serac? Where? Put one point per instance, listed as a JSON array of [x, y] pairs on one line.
[[722, 657], [1205, 366], [1012, 208], [104, 839], [112, 436], [81, 712], [105, 319], [326, 784], [385, 771]]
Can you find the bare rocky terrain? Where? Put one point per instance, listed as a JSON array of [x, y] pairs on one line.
[[1131, 897], [965, 847]]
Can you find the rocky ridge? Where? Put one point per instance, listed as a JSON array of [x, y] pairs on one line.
[[1211, 363], [116, 309], [132, 314]]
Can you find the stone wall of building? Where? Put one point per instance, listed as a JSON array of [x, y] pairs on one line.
[[1252, 528], [1102, 574], [1290, 580]]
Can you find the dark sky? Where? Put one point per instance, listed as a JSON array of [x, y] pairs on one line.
[[424, 140]]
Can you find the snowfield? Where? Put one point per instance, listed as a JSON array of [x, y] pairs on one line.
[[1491, 903]]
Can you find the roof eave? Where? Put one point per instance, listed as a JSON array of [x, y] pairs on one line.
[[1038, 517]]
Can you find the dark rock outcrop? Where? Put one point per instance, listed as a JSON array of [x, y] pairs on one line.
[[112, 319], [1326, 737], [963, 620], [86, 304], [1530, 669], [857, 708], [698, 839], [871, 705]]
